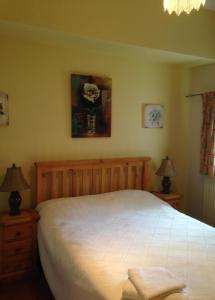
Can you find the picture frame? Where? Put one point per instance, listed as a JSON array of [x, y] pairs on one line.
[[4, 109], [153, 116], [91, 106]]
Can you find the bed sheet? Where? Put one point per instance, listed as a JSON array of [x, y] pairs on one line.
[[87, 244]]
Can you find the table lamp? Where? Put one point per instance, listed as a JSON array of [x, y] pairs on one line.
[[166, 170], [14, 182]]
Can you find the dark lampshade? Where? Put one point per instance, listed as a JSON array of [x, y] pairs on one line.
[[14, 182], [166, 170]]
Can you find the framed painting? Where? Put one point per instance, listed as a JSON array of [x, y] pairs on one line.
[[91, 106], [4, 112], [153, 116]]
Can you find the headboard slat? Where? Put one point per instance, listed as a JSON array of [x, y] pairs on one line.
[[65, 189], [54, 184], [103, 181]]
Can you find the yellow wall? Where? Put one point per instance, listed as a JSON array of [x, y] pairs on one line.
[[137, 22], [179, 124], [37, 78]]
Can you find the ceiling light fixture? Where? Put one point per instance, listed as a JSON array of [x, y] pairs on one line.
[[178, 6]]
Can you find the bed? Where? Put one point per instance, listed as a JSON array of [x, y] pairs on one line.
[[101, 220]]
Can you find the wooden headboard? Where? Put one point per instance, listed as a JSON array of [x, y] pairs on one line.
[[56, 179]]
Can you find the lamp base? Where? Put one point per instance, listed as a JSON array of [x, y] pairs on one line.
[[166, 183], [14, 203]]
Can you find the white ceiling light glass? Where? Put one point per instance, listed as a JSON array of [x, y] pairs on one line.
[[178, 6]]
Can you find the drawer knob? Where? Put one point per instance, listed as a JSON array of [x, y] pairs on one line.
[[17, 267], [18, 233], [17, 250]]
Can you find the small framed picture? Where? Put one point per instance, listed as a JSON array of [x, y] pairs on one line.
[[153, 116], [4, 112]]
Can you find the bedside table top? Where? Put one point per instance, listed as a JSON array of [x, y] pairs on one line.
[[25, 216], [170, 196]]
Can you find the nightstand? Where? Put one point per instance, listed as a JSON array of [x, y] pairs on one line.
[[174, 199], [18, 244]]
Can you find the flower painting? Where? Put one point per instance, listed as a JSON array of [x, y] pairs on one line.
[[4, 113], [153, 116], [91, 106]]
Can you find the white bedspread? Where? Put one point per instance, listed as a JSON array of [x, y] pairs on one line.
[[87, 244]]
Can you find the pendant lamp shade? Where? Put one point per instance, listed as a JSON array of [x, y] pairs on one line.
[[179, 6]]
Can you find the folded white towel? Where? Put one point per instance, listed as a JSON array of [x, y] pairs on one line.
[[129, 292], [154, 283]]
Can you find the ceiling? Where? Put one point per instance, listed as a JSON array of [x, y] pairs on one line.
[[210, 4]]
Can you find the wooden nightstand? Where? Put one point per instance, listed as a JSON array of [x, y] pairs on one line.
[[174, 199], [18, 244]]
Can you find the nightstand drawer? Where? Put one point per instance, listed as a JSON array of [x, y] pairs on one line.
[[17, 264], [16, 248], [18, 232], [10, 260]]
